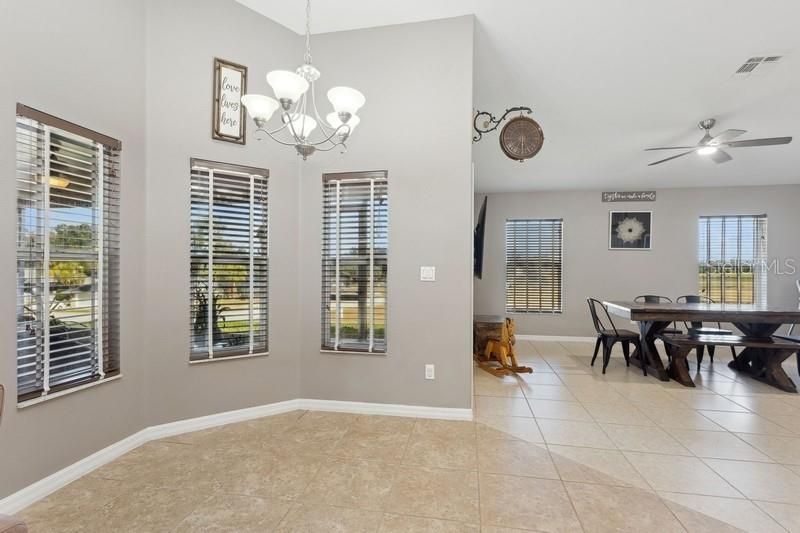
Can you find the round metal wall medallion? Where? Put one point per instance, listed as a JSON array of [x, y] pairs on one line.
[[521, 138]]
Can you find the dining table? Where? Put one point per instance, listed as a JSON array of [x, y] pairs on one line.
[[757, 322]]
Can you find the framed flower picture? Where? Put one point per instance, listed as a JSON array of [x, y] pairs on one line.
[[630, 230]]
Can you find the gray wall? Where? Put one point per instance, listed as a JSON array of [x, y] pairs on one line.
[[183, 39], [670, 268], [418, 82], [82, 61]]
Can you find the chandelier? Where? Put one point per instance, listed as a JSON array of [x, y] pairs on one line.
[[292, 90]]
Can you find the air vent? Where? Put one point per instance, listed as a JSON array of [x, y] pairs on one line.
[[757, 65], [747, 68]]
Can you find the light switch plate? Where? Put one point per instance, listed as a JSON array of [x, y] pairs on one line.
[[427, 273], [430, 372]]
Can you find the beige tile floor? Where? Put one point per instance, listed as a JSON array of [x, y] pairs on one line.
[[562, 449]]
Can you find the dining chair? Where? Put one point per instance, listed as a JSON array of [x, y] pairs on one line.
[[608, 335], [796, 338], [697, 328], [655, 299]]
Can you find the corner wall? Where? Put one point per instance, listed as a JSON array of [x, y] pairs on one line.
[[183, 37], [670, 268], [141, 71], [82, 61], [416, 125]]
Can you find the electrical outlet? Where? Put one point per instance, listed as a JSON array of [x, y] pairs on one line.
[[430, 371]]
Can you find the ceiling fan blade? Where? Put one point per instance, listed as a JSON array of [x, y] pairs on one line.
[[770, 141], [669, 148], [720, 157], [673, 157], [725, 136]]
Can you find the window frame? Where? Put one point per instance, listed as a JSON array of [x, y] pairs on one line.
[[254, 173], [528, 310], [102, 253], [760, 282], [381, 179]]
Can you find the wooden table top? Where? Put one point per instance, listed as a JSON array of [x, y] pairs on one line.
[[704, 312]]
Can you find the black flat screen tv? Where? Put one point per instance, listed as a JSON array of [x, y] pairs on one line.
[[478, 240]]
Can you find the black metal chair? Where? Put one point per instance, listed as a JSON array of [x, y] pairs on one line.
[[697, 328], [795, 338], [609, 336], [655, 299], [789, 336]]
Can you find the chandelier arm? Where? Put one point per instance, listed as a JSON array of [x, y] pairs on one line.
[[274, 138], [290, 124], [273, 131], [332, 147], [331, 136], [303, 121], [322, 125]]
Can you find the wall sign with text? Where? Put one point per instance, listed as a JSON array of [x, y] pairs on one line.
[[629, 196], [230, 83]]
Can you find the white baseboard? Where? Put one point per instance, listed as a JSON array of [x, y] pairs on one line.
[[554, 338], [170, 429], [36, 491], [416, 411]]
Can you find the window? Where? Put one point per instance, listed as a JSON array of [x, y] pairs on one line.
[[67, 255], [229, 261], [533, 265], [732, 256], [355, 238]]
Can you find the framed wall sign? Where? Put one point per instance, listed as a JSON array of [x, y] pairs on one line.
[[630, 230], [230, 83], [629, 196]]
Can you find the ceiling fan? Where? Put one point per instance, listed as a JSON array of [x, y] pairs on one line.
[[712, 146]]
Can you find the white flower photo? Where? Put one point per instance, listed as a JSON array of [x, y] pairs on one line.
[[630, 231]]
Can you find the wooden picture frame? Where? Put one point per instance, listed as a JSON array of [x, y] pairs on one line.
[[228, 114], [637, 227]]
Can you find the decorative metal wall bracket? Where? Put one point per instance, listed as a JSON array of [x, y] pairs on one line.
[[484, 122]]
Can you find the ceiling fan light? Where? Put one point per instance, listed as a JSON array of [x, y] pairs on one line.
[[707, 150], [335, 121], [346, 99], [302, 124], [260, 107], [288, 86]]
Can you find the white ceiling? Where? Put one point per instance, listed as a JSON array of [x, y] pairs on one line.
[[609, 78], [343, 15]]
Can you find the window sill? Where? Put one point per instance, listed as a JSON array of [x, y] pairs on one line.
[[353, 352], [59, 394], [229, 358]]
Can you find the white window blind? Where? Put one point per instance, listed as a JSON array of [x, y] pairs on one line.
[[732, 256], [229, 260], [534, 265], [355, 238], [67, 255]]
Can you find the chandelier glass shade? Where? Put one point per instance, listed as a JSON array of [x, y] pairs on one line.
[[296, 104]]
